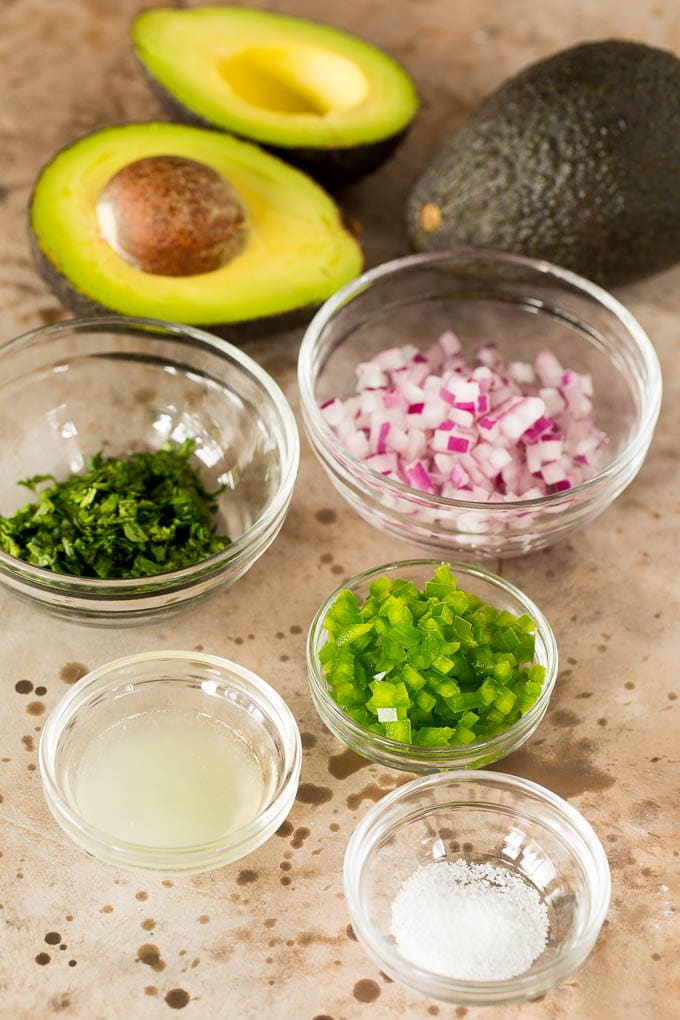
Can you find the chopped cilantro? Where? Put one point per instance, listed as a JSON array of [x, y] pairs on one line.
[[124, 518]]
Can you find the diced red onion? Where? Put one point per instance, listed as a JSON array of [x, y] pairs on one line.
[[521, 372], [433, 414], [357, 444], [393, 399], [371, 400], [382, 436], [488, 432], [458, 477], [458, 443], [465, 405], [385, 463], [420, 479], [553, 400], [487, 354], [370, 374], [399, 439], [459, 416], [449, 343], [553, 472], [333, 411], [538, 429], [393, 357], [440, 439], [548, 368], [413, 392], [417, 445]]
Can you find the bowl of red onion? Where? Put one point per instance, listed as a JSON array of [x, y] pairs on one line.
[[476, 402]]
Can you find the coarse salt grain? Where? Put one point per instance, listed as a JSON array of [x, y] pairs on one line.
[[469, 922]]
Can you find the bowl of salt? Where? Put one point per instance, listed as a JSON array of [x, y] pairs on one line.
[[476, 887]]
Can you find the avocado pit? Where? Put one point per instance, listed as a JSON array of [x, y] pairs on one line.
[[172, 216]]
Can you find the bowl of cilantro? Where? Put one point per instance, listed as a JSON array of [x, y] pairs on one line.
[[144, 465], [425, 666]]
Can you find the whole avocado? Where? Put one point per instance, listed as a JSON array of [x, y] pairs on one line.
[[575, 160]]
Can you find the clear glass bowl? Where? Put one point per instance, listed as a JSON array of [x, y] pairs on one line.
[[479, 817], [492, 589], [524, 305], [122, 385], [194, 685]]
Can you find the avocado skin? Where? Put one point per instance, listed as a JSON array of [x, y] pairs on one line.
[[575, 160], [335, 168], [235, 332], [331, 167]]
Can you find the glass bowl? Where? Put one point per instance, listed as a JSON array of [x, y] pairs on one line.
[[475, 580], [523, 304], [479, 817], [123, 385], [139, 759]]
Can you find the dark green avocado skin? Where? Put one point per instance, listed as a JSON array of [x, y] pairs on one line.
[[331, 167], [334, 168], [576, 160]]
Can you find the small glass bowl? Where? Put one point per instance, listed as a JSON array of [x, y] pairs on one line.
[[493, 590], [479, 817], [194, 685], [123, 385], [523, 304]]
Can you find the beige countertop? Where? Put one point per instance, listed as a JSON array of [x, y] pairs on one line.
[[268, 937]]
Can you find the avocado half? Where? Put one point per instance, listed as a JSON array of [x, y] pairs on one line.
[[321, 98], [292, 252], [574, 160]]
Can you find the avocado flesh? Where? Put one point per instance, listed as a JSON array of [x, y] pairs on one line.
[[574, 161], [306, 90], [296, 254]]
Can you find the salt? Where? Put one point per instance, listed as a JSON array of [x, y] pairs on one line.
[[470, 922]]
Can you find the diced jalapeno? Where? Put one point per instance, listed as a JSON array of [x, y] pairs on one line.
[[434, 668]]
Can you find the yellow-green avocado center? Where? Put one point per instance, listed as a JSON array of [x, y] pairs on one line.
[[298, 79]]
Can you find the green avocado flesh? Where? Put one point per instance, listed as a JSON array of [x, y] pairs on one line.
[[575, 160], [296, 252], [282, 81]]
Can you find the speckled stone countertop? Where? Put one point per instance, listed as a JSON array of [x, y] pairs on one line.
[[269, 937]]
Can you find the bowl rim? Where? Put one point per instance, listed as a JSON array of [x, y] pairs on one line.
[[323, 437], [394, 753], [186, 856], [239, 548], [526, 985]]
